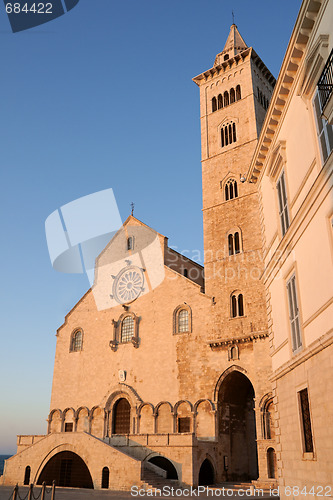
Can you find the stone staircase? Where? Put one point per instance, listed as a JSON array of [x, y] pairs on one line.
[[154, 481]]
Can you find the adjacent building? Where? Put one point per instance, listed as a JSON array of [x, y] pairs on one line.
[[292, 167], [222, 373]]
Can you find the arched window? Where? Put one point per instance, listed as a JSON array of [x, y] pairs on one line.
[[240, 305], [220, 101], [234, 243], [130, 243], [182, 319], [238, 93], [228, 134], [127, 329], [232, 96], [214, 104], [231, 244], [231, 189], [76, 341], [237, 305], [233, 353], [226, 99], [105, 477], [226, 57], [234, 132], [27, 475], [237, 242], [269, 431]]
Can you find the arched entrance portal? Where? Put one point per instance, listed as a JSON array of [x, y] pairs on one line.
[[67, 469], [121, 417], [206, 473], [166, 465], [237, 427]]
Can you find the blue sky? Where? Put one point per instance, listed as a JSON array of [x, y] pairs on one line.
[[101, 97]]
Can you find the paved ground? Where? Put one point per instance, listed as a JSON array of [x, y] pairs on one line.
[[81, 494]]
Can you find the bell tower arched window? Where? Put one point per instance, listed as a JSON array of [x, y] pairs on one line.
[[220, 101], [214, 104], [231, 189], [228, 134], [234, 243], [232, 96], [226, 98], [237, 305], [238, 93]]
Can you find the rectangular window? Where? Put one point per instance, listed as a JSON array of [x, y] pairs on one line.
[[306, 421], [324, 130], [184, 424], [130, 243], [294, 314], [69, 427], [283, 203]]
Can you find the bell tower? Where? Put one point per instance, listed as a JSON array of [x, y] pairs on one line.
[[234, 97]]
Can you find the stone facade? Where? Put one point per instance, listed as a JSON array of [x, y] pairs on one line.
[[179, 382]]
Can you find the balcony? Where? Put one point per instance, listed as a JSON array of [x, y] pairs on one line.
[[325, 89]]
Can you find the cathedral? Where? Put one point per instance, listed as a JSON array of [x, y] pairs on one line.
[[167, 372]]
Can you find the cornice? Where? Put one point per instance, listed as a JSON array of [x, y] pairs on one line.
[[234, 62], [314, 348], [221, 68], [240, 340], [292, 63]]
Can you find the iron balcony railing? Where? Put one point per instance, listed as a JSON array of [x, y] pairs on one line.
[[325, 83]]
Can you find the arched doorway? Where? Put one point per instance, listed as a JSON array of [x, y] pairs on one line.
[[67, 469], [27, 475], [166, 465], [237, 427], [206, 473], [105, 477], [121, 417]]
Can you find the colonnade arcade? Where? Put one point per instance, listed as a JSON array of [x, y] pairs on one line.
[[233, 418]]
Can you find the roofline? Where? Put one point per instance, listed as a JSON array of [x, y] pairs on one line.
[[226, 65], [292, 61], [187, 258], [138, 220]]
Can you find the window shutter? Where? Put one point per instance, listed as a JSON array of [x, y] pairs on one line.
[[294, 314], [283, 203]]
